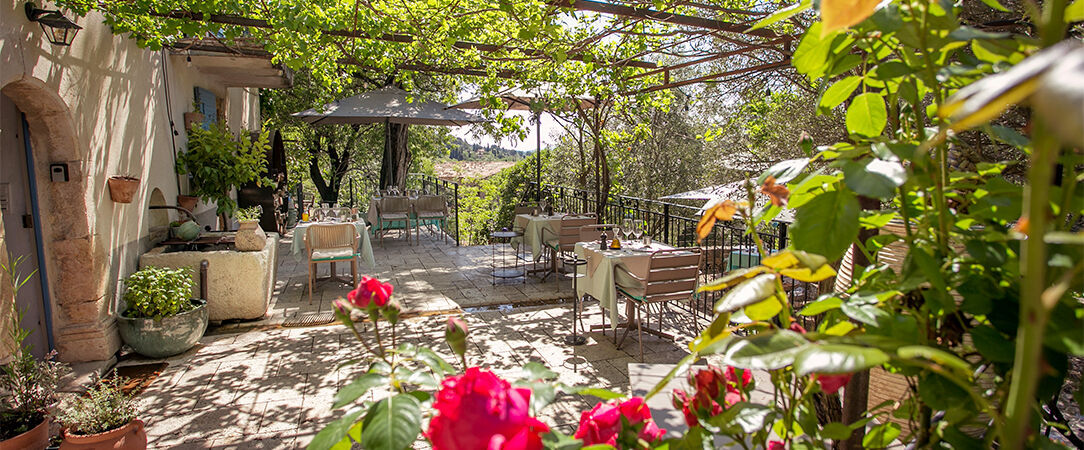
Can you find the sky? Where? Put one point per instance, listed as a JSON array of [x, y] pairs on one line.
[[551, 132]]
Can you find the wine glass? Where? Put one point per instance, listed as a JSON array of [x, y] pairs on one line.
[[626, 227], [638, 228]]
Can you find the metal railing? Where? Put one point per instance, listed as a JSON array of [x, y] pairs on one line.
[[436, 186], [726, 248]]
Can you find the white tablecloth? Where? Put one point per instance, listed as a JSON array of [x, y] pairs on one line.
[[600, 274], [365, 250], [532, 228]]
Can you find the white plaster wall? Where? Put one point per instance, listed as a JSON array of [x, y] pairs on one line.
[[114, 92]]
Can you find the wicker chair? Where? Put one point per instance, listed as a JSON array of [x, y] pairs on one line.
[[393, 209]]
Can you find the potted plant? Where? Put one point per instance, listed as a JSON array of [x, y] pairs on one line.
[[220, 163], [122, 188], [162, 319], [185, 230], [187, 202], [250, 237], [104, 418]]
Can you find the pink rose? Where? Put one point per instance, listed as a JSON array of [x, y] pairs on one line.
[[456, 334], [776, 445], [831, 384], [370, 290], [479, 410], [602, 423]]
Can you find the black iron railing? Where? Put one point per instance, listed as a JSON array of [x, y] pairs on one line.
[[449, 189], [726, 248]]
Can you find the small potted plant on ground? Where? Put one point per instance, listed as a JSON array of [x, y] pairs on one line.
[[29, 385], [122, 188], [104, 418], [162, 319], [250, 237]]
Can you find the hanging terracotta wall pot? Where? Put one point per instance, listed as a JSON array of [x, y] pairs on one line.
[[123, 188], [187, 202], [191, 119]]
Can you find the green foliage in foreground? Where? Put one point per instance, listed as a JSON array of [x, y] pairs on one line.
[[157, 292]]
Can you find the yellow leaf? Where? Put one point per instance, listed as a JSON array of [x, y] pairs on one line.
[[717, 209], [732, 278], [808, 275], [766, 309], [781, 260], [840, 14], [978, 114], [839, 329]]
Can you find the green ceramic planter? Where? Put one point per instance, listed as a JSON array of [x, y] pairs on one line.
[[167, 337]]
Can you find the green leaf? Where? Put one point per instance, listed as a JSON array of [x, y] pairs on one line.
[[996, 5], [1074, 12], [783, 14], [827, 224], [784, 171], [603, 394], [821, 305], [392, 424], [874, 178], [867, 115], [945, 359], [766, 351], [863, 308], [966, 33], [992, 344], [680, 367], [747, 293], [839, 91], [335, 431], [732, 278], [837, 358], [744, 417], [940, 393], [836, 431], [765, 309], [534, 371], [360, 386], [881, 435]]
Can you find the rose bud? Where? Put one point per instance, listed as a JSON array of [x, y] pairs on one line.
[[391, 311], [456, 335]]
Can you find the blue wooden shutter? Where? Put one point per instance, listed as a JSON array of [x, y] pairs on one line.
[[205, 101]]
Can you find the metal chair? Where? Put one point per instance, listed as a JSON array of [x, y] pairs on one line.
[[562, 245], [671, 275], [591, 233], [390, 210], [329, 243], [430, 208]]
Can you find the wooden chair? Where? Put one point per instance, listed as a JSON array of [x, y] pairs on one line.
[[430, 208], [393, 209], [671, 275], [329, 243]]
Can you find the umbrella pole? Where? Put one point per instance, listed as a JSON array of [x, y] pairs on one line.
[[538, 155]]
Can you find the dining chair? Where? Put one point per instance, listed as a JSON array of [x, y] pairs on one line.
[[671, 275], [562, 245], [329, 243], [393, 209], [430, 208]]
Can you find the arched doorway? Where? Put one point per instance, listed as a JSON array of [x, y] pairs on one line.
[[73, 262]]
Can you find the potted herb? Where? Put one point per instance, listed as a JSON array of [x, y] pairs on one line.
[[122, 188], [250, 237], [29, 385], [162, 319], [104, 418], [220, 163]]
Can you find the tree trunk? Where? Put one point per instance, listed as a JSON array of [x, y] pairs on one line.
[[339, 162], [397, 158]]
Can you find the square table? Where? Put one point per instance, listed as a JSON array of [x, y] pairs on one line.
[[365, 249], [600, 274], [532, 228]]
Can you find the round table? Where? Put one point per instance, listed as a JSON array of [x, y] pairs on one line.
[[499, 257]]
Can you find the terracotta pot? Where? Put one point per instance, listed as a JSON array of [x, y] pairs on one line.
[[191, 119], [37, 437], [132, 436], [187, 202], [122, 189]]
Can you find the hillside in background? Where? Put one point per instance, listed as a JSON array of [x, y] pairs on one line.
[[460, 150]]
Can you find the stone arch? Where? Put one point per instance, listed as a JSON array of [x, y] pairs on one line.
[[84, 328]]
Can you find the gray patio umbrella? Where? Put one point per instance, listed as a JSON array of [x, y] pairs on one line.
[[521, 100], [387, 105], [733, 190]]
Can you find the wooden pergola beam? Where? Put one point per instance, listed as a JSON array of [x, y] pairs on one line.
[[661, 16], [671, 85], [470, 71], [230, 19], [666, 70]]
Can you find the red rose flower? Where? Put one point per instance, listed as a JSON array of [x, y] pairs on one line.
[[479, 410], [831, 384], [776, 445], [370, 290], [602, 423]]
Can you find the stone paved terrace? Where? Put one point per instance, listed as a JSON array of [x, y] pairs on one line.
[[262, 385]]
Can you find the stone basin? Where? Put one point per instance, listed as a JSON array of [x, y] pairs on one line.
[[239, 284]]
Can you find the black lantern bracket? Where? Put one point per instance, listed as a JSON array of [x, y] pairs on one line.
[[58, 29]]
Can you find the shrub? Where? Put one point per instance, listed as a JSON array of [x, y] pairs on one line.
[[157, 292], [248, 214], [105, 407]]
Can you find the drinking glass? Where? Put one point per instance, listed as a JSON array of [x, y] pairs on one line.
[[638, 228]]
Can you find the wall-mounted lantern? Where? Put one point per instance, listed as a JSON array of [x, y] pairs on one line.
[[59, 29]]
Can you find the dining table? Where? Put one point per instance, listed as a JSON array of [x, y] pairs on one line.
[[538, 230], [364, 250], [600, 275]]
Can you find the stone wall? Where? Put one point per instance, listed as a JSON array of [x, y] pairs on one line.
[[100, 106]]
